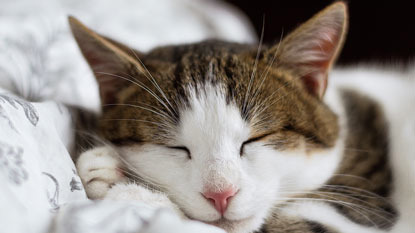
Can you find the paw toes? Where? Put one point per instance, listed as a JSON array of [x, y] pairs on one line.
[[99, 170]]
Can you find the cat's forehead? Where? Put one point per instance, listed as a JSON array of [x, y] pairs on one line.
[[210, 119], [198, 67], [205, 62], [201, 50]]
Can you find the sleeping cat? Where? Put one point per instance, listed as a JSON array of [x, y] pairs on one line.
[[247, 138]]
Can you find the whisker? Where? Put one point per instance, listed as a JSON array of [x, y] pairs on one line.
[[355, 207], [355, 190], [160, 114], [371, 208], [169, 109], [374, 207], [174, 120], [153, 80], [158, 124], [134, 177], [254, 69], [141, 85], [265, 102], [353, 176], [266, 73]]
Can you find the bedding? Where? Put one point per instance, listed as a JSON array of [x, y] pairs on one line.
[[41, 191], [43, 76]]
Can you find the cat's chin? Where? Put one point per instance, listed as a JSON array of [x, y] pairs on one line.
[[244, 225]]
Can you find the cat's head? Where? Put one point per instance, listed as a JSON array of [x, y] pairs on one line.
[[227, 130]]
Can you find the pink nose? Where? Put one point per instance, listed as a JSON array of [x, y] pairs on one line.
[[220, 199]]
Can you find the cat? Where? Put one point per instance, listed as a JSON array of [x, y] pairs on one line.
[[253, 138]]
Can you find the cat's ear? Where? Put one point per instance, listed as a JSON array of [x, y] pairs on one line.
[[110, 61], [311, 49]]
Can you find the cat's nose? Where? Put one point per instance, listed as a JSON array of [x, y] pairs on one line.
[[220, 199]]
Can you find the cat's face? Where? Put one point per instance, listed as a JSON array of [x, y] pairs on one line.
[[226, 130]]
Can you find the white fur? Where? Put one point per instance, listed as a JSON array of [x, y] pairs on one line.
[[133, 192], [328, 216], [98, 169], [213, 131], [395, 91], [100, 174]]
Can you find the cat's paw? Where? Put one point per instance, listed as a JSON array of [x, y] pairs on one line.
[[135, 192], [99, 170]]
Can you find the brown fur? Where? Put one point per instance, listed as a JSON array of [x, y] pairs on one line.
[[366, 178], [291, 109], [289, 224], [288, 109], [283, 102]]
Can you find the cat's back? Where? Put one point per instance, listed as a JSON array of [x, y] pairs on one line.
[[392, 92], [390, 87]]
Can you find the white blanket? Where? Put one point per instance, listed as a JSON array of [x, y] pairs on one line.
[[42, 71]]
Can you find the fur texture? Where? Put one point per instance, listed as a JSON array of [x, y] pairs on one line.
[[215, 115]]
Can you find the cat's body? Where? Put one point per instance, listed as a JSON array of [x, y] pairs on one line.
[[393, 93], [244, 138], [377, 109]]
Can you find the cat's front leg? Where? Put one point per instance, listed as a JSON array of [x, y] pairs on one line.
[[99, 170]]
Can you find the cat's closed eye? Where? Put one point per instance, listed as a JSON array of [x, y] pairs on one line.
[[251, 140], [182, 148]]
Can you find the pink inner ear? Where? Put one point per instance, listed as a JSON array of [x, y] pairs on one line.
[[316, 81]]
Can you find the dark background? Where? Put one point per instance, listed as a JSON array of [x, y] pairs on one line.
[[379, 31]]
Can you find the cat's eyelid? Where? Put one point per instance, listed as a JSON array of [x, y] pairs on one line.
[[257, 138], [253, 139], [183, 148]]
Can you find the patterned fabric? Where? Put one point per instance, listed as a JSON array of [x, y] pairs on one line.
[[37, 175], [40, 190], [41, 70]]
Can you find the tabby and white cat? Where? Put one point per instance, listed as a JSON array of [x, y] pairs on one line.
[[247, 139]]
